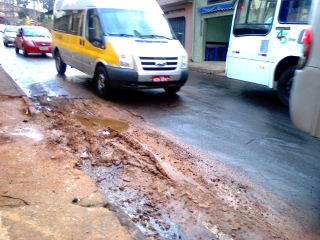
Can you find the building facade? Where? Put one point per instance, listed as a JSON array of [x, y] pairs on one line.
[[180, 16], [202, 26]]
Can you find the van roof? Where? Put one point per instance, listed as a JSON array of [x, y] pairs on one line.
[[149, 5]]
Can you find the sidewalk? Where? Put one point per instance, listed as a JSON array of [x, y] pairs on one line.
[[210, 67], [7, 85]]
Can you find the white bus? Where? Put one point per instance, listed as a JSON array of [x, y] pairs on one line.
[[266, 42]]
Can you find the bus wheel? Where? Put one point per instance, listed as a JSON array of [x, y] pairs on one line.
[[172, 90], [60, 65], [284, 85], [101, 82]]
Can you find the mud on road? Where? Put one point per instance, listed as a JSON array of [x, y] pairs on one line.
[[169, 190]]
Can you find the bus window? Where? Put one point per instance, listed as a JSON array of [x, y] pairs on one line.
[[254, 17], [294, 11]]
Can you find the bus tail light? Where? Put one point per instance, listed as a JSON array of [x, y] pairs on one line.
[[241, 4], [307, 42]]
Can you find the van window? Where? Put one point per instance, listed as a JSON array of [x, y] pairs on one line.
[[127, 22], [61, 20], [77, 22], [69, 21], [93, 28]]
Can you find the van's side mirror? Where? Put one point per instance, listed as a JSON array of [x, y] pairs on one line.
[[97, 41], [92, 34]]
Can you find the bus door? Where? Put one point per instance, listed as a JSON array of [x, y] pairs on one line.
[[249, 57]]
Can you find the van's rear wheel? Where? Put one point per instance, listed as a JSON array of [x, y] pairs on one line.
[[284, 85], [60, 65], [102, 84]]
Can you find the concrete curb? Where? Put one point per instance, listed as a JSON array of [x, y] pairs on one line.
[[15, 90], [208, 67], [208, 71], [7, 79]]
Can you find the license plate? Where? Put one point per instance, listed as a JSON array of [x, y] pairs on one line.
[[43, 48], [160, 78]]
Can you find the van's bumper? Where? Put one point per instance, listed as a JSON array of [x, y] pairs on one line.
[[130, 79]]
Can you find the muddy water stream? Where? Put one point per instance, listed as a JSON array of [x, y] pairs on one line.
[[152, 220]]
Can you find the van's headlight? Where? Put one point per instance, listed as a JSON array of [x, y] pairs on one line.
[[184, 61], [125, 61]]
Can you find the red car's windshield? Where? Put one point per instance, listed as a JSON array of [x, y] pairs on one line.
[[36, 32]]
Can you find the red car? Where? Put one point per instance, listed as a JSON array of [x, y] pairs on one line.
[[33, 39]]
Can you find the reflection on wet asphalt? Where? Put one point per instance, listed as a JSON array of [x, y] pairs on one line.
[[36, 75]]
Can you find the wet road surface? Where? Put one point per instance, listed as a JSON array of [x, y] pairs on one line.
[[241, 124]]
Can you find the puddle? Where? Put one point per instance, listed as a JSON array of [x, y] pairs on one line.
[[98, 123]]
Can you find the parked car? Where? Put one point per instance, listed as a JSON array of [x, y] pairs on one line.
[[305, 93], [33, 39], [9, 34]]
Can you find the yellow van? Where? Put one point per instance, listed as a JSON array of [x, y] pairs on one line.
[[124, 44]]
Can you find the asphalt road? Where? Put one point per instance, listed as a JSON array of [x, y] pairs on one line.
[[243, 125]]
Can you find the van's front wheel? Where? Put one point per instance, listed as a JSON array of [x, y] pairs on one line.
[[285, 84], [101, 81], [60, 65]]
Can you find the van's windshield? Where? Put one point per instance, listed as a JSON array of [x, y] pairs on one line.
[[134, 23]]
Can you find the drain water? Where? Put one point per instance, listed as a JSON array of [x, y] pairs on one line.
[[98, 123]]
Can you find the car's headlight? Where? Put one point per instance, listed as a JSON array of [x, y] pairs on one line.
[[29, 42], [184, 61], [125, 61]]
